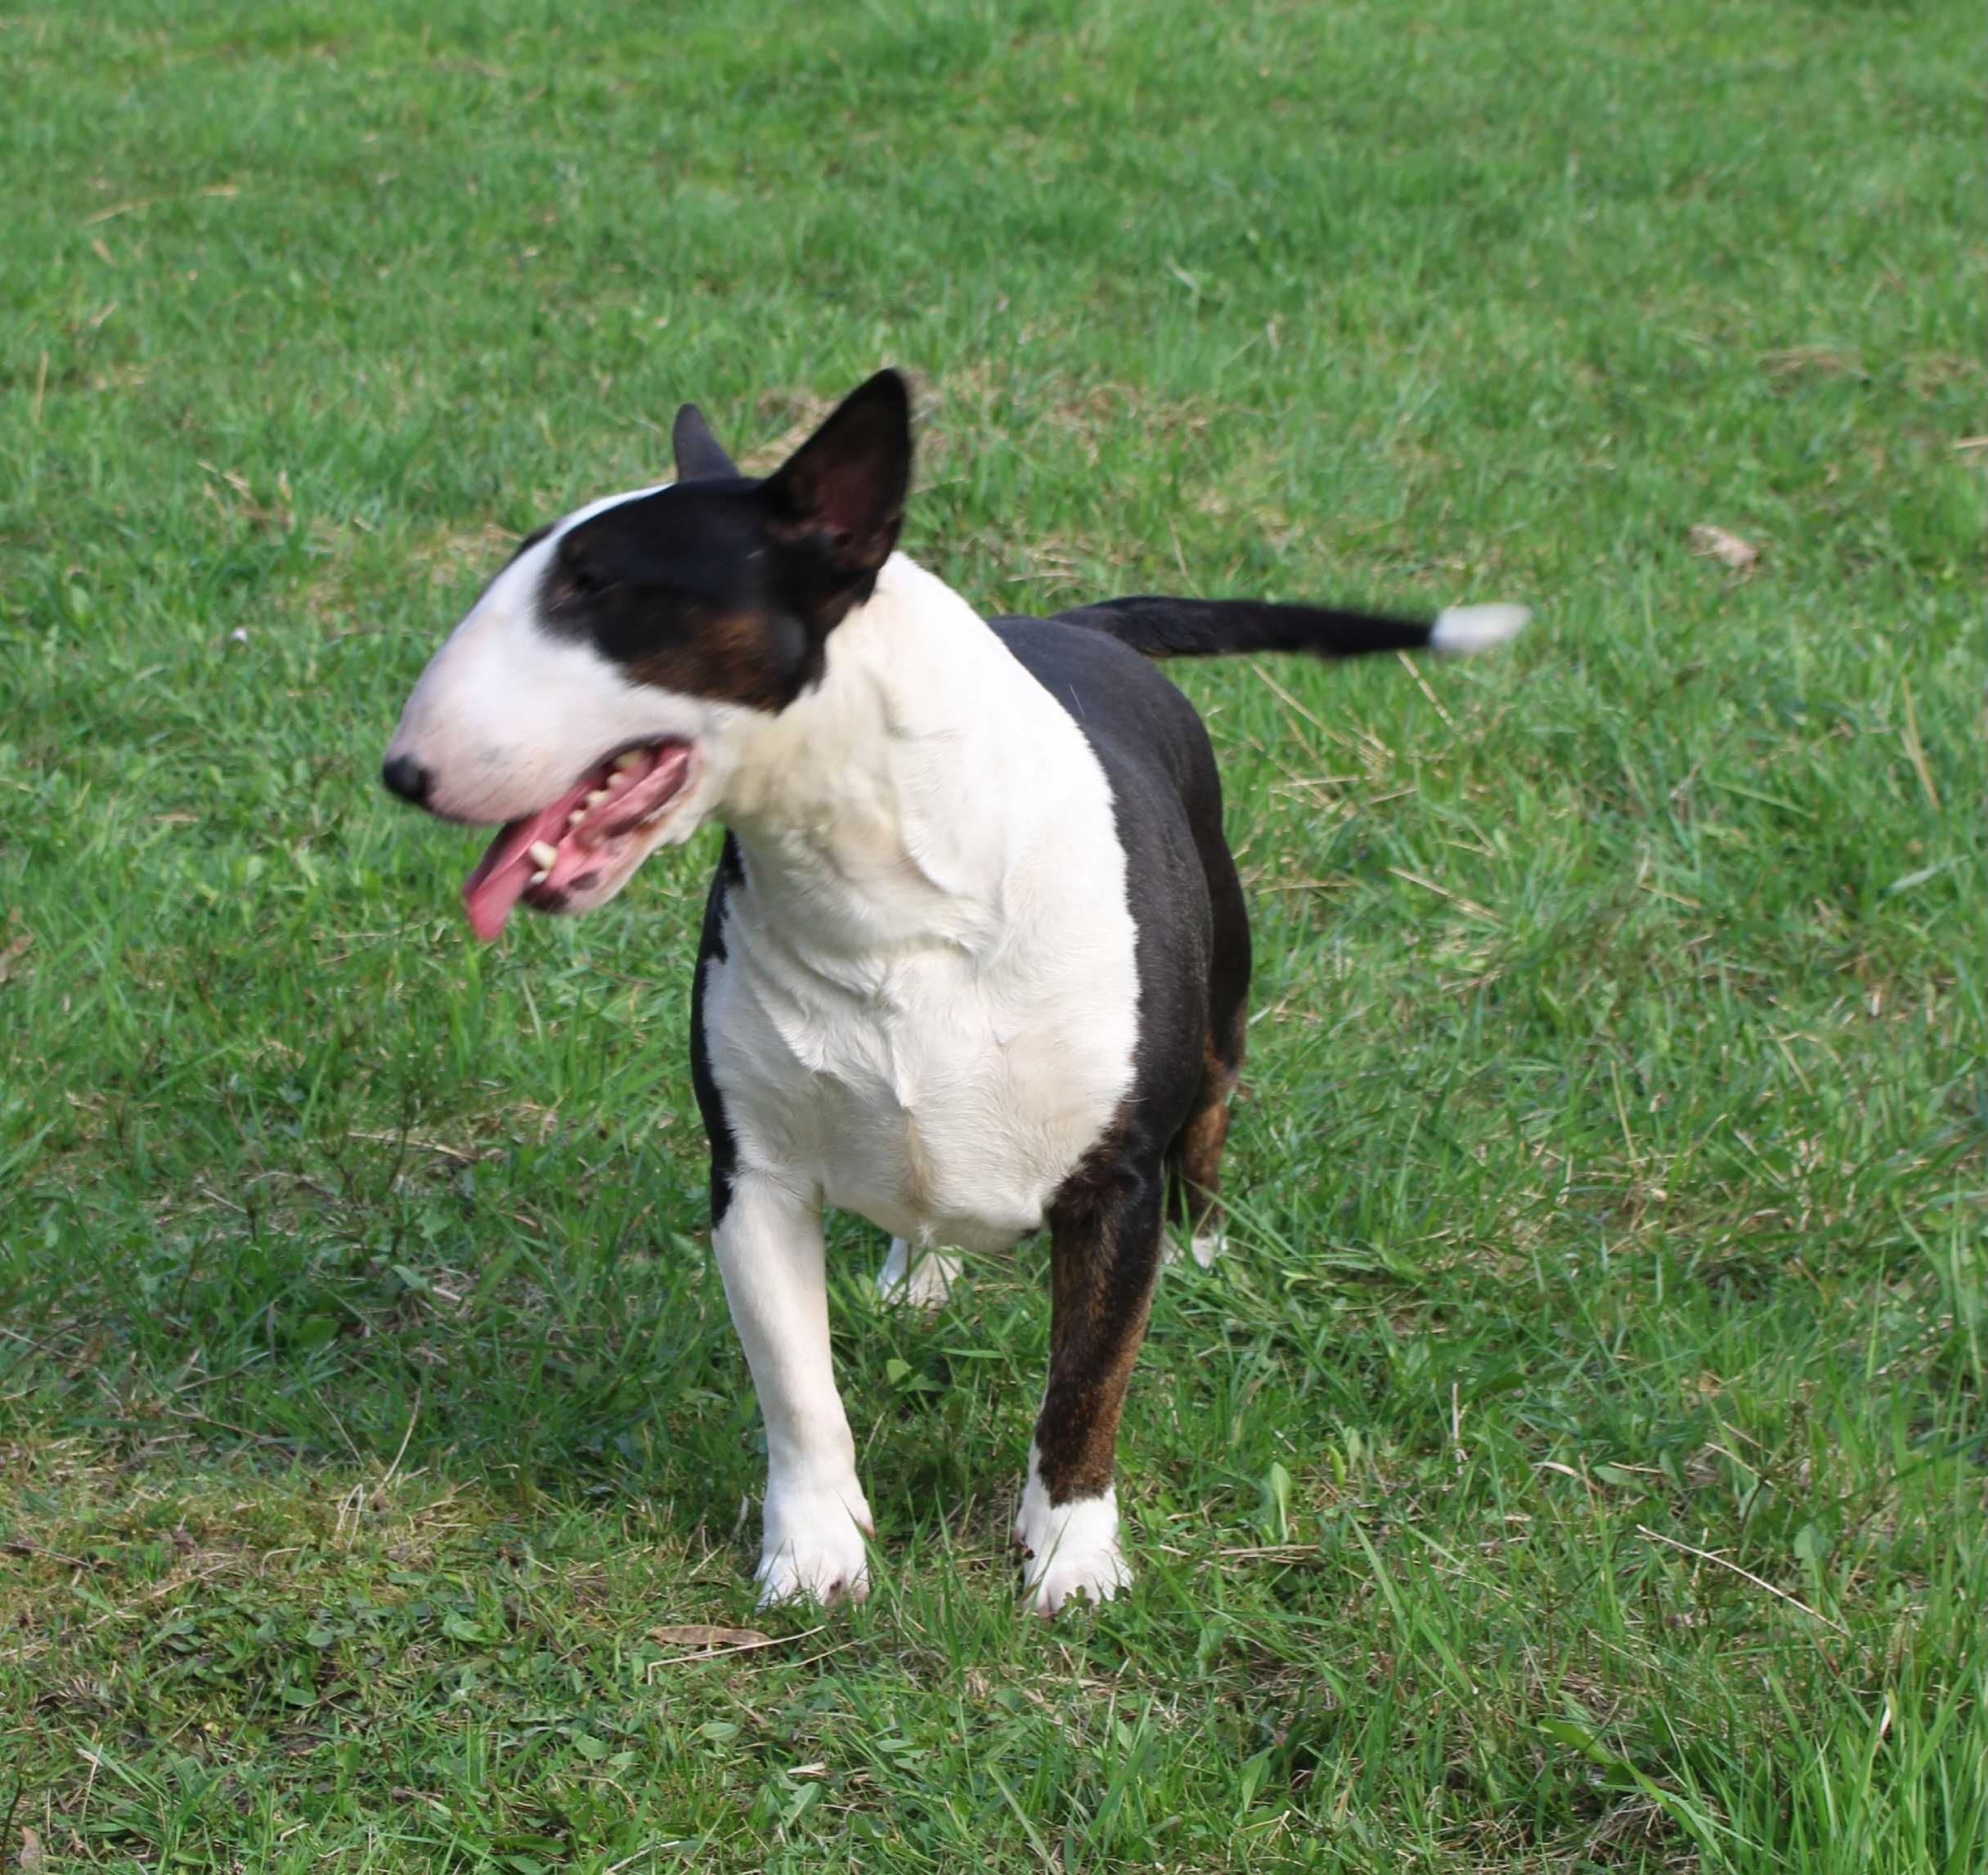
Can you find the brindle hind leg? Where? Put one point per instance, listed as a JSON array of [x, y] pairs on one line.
[[1105, 1230], [1194, 1160]]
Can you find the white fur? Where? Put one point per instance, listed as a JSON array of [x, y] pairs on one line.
[[1073, 1547], [927, 1005], [1471, 628], [1205, 1248], [769, 1254], [925, 1284], [925, 1010], [507, 716]]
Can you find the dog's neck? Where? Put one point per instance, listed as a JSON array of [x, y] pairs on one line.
[[888, 807]]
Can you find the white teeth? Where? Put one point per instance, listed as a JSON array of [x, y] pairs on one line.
[[597, 797], [627, 759], [577, 815], [539, 878], [542, 853]]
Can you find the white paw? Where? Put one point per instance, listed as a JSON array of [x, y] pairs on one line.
[[1096, 1571], [924, 1283], [1206, 1246], [813, 1546], [1073, 1547]]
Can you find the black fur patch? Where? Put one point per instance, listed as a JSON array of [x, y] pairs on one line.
[[685, 589], [724, 587], [710, 1103], [699, 454], [1191, 955], [1157, 626], [1104, 1248]]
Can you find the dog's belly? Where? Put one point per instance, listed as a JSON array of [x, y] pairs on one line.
[[940, 1102]]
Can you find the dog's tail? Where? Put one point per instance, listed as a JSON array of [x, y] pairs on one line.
[[1162, 627]]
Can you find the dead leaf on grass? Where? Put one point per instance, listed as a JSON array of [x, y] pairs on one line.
[[710, 1639], [1727, 549], [11, 955], [1823, 359]]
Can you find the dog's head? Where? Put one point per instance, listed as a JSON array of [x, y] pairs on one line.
[[592, 700]]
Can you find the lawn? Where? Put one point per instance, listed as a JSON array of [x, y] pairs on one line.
[[1581, 1462]]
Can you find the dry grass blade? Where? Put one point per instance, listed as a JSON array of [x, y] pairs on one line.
[[1707, 1556], [1916, 749]]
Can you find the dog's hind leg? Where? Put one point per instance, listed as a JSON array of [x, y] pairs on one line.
[[1105, 1243], [1194, 1159], [768, 1245], [918, 1279]]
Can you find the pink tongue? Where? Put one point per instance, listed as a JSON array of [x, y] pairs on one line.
[[504, 875], [505, 869]]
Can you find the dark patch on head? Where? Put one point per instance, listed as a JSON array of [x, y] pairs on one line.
[[727, 588], [684, 590], [750, 657]]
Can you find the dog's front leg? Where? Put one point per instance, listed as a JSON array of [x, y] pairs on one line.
[[1104, 1243], [768, 1245]]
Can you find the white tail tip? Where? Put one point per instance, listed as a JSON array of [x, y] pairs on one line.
[[1467, 628]]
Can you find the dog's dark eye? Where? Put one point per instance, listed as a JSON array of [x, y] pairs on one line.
[[573, 579]]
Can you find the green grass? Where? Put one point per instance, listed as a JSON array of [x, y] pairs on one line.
[[1610, 1177]]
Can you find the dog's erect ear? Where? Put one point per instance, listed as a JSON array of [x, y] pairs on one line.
[[843, 490], [699, 453]]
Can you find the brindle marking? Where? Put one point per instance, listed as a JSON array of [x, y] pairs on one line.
[[721, 586], [745, 657], [1105, 1230], [1107, 1220], [1195, 1158]]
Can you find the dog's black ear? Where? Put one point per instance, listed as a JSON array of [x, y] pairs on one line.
[[699, 453], [843, 490]]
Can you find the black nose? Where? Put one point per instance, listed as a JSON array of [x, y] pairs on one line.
[[407, 778]]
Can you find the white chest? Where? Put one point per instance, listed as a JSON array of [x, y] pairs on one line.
[[943, 1098], [927, 1005]]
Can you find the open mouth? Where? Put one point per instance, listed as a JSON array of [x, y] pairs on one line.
[[571, 845]]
